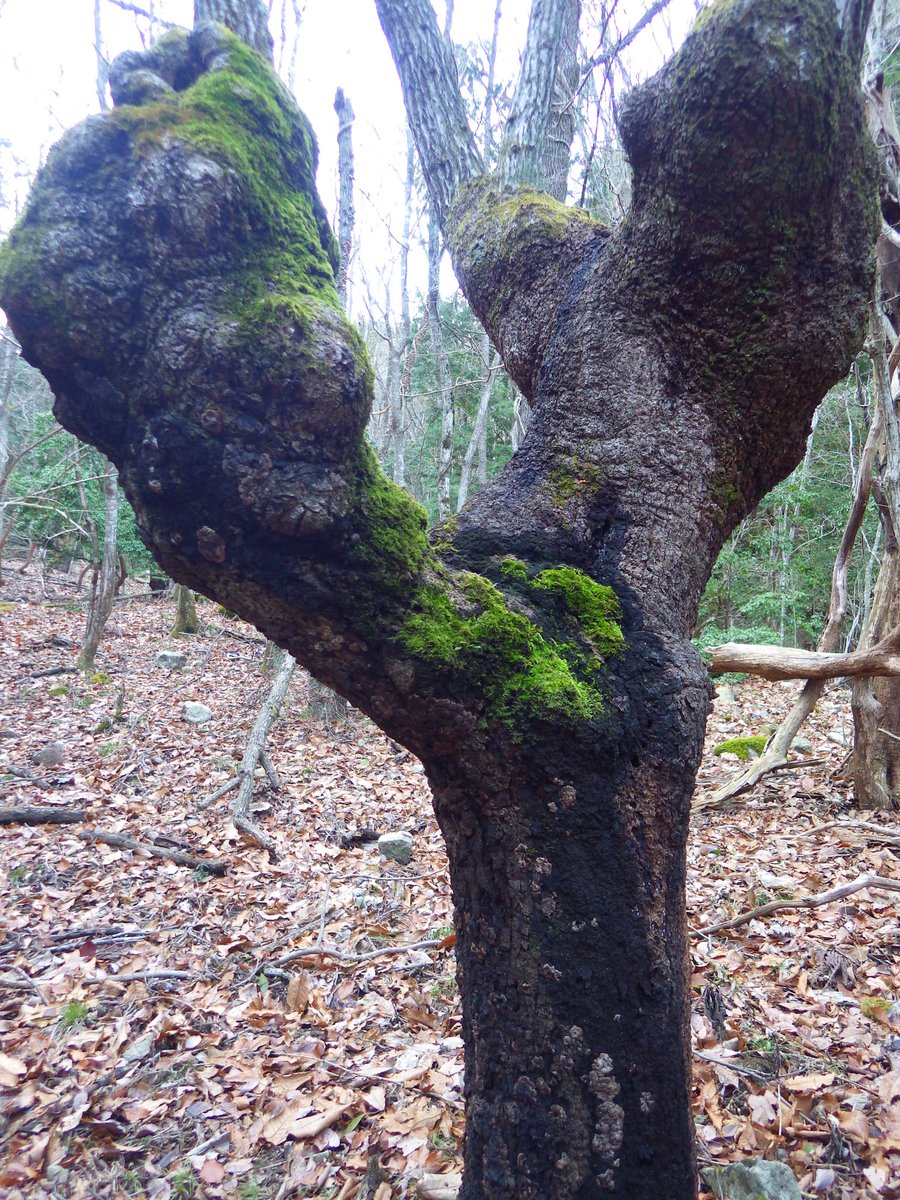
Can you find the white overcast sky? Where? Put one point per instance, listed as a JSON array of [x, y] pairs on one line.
[[47, 74]]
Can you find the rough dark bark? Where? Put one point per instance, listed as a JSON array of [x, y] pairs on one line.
[[537, 658]]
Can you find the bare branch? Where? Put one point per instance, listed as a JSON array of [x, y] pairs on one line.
[[610, 55], [445, 143], [829, 897], [784, 662]]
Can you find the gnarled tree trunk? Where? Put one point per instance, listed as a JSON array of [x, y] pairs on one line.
[[536, 659]]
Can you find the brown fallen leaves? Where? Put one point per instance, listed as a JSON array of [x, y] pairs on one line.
[[167, 1034]]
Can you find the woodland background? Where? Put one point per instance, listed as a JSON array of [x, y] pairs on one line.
[[279, 1015]]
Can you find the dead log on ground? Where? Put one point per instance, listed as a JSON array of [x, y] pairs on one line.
[[784, 662], [41, 816]]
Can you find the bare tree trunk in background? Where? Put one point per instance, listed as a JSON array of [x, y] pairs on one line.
[[105, 573], [478, 439], [561, 121], [401, 393], [289, 41], [521, 419], [445, 384], [186, 619], [346, 208], [102, 61], [8, 352], [325, 705]]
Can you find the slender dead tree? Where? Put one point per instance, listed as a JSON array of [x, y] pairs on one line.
[[175, 282]]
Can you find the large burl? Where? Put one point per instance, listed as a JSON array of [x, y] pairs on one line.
[[173, 277]]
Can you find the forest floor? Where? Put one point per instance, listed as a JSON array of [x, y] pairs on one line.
[[167, 1032]]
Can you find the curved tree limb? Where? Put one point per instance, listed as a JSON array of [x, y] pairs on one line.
[[174, 277], [784, 662]]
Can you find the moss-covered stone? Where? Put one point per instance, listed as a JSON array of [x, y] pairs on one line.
[[744, 747]]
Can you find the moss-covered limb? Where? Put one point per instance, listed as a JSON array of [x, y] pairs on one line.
[[191, 328], [514, 253]]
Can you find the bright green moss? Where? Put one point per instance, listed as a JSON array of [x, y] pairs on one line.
[[514, 568], [595, 605], [244, 120], [521, 673], [743, 747], [572, 478], [392, 541]]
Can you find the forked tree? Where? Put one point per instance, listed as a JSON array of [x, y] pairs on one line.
[[173, 278]]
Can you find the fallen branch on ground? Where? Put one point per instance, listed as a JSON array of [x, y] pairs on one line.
[[123, 842], [342, 956], [131, 976], [41, 816], [838, 893], [784, 662], [28, 776]]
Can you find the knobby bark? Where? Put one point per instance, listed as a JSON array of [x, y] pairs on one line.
[[536, 656]]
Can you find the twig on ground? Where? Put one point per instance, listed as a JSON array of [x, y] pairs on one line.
[[26, 983], [738, 1068], [123, 842], [135, 976], [28, 776], [838, 893]]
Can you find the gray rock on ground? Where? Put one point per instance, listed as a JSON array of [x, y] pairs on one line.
[[755, 1179], [196, 713], [52, 755], [172, 660], [396, 846]]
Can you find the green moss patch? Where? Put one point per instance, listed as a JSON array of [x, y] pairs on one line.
[[595, 605], [391, 538], [244, 119], [744, 747], [521, 673]]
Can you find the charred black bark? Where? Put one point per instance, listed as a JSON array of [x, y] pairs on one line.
[[173, 277]]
